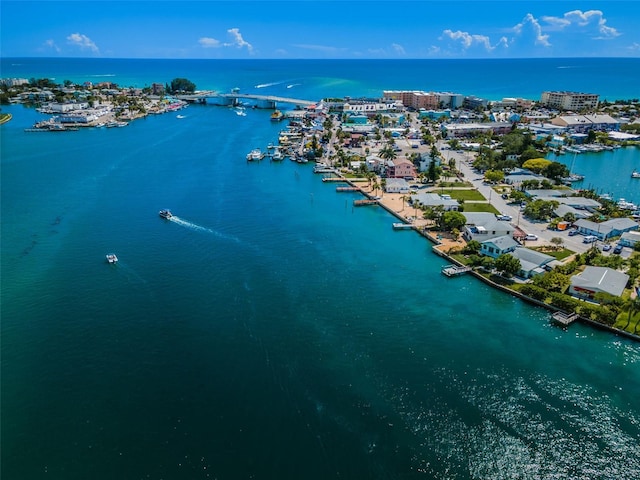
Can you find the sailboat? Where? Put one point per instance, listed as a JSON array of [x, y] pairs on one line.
[[573, 177]]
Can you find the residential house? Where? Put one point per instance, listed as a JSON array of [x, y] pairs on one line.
[[519, 175], [532, 262], [629, 239], [483, 226], [434, 200], [401, 168], [611, 228], [597, 279], [396, 185], [497, 246]]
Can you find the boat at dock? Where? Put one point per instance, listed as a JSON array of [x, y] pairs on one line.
[[111, 258], [165, 214], [255, 155], [277, 155], [276, 116]]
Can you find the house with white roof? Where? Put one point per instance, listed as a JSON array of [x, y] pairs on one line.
[[611, 228], [396, 185], [594, 280], [483, 226], [435, 200]]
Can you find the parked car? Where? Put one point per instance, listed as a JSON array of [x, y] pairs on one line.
[[507, 218], [589, 239], [573, 232], [531, 236], [618, 249], [505, 196], [606, 247]]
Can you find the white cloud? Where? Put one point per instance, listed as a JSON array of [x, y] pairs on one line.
[[207, 42], [591, 22], [82, 41], [399, 49], [51, 45], [238, 41], [466, 40], [529, 30]]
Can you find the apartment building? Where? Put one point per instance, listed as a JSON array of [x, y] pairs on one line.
[[569, 100]]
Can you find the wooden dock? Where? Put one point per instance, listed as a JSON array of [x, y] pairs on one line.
[[347, 189], [364, 202], [454, 270], [564, 319], [334, 179]]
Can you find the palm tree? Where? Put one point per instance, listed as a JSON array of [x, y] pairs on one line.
[[633, 305]]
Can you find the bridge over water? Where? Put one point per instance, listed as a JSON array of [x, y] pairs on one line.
[[231, 99]]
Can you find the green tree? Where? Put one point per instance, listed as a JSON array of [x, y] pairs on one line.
[[453, 220], [181, 85], [537, 165], [508, 265], [494, 176], [473, 246]]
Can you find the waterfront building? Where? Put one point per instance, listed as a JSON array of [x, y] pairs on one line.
[[629, 239], [584, 123], [472, 103], [401, 168], [497, 246], [611, 228], [594, 280], [14, 82], [532, 262], [569, 100], [396, 185], [434, 200]]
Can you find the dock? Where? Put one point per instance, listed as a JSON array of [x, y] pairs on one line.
[[454, 270], [564, 319], [347, 189], [364, 202], [334, 179], [402, 226], [324, 170]]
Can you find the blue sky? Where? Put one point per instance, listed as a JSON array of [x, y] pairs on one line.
[[348, 29]]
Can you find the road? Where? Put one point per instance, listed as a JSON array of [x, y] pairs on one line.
[[537, 228]]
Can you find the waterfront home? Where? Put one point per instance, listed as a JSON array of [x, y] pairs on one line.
[[519, 175], [396, 185], [483, 226], [597, 279], [498, 246], [629, 239], [434, 200], [611, 228], [562, 210], [401, 168], [532, 262]]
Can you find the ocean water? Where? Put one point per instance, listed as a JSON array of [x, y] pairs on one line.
[[272, 330]]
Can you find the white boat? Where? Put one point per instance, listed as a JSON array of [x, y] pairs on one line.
[[635, 174], [165, 214], [240, 111], [254, 155], [111, 258], [277, 155]]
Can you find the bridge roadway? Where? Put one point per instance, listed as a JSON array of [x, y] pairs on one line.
[[247, 96]]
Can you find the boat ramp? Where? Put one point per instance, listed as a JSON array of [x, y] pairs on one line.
[[454, 270]]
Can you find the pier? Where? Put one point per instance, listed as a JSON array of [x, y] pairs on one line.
[[402, 226], [564, 319], [347, 189], [454, 270], [334, 179], [364, 202]]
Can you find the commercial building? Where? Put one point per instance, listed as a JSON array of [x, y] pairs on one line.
[[569, 100]]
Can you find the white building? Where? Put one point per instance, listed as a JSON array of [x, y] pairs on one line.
[[569, 100]]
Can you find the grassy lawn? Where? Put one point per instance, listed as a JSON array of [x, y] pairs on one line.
[[557, 254], [480, 207], [621, 321], [470, 194]]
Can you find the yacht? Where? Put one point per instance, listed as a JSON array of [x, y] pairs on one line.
[[165, 214], [635, 174], [277, 155], [254, 155], [111, 258]]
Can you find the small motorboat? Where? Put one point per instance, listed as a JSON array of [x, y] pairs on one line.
[[635, 174], [111, 258], [165, 214]]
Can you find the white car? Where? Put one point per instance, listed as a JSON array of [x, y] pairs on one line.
[[530, 236]]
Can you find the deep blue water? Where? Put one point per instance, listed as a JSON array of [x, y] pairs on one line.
[[271, 331]]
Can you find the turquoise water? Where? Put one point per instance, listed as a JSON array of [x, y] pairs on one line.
[[272, 330], [606, 172]]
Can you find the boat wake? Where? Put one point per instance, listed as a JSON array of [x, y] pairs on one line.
[[199, 228], [293, 85], [263, 85]]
